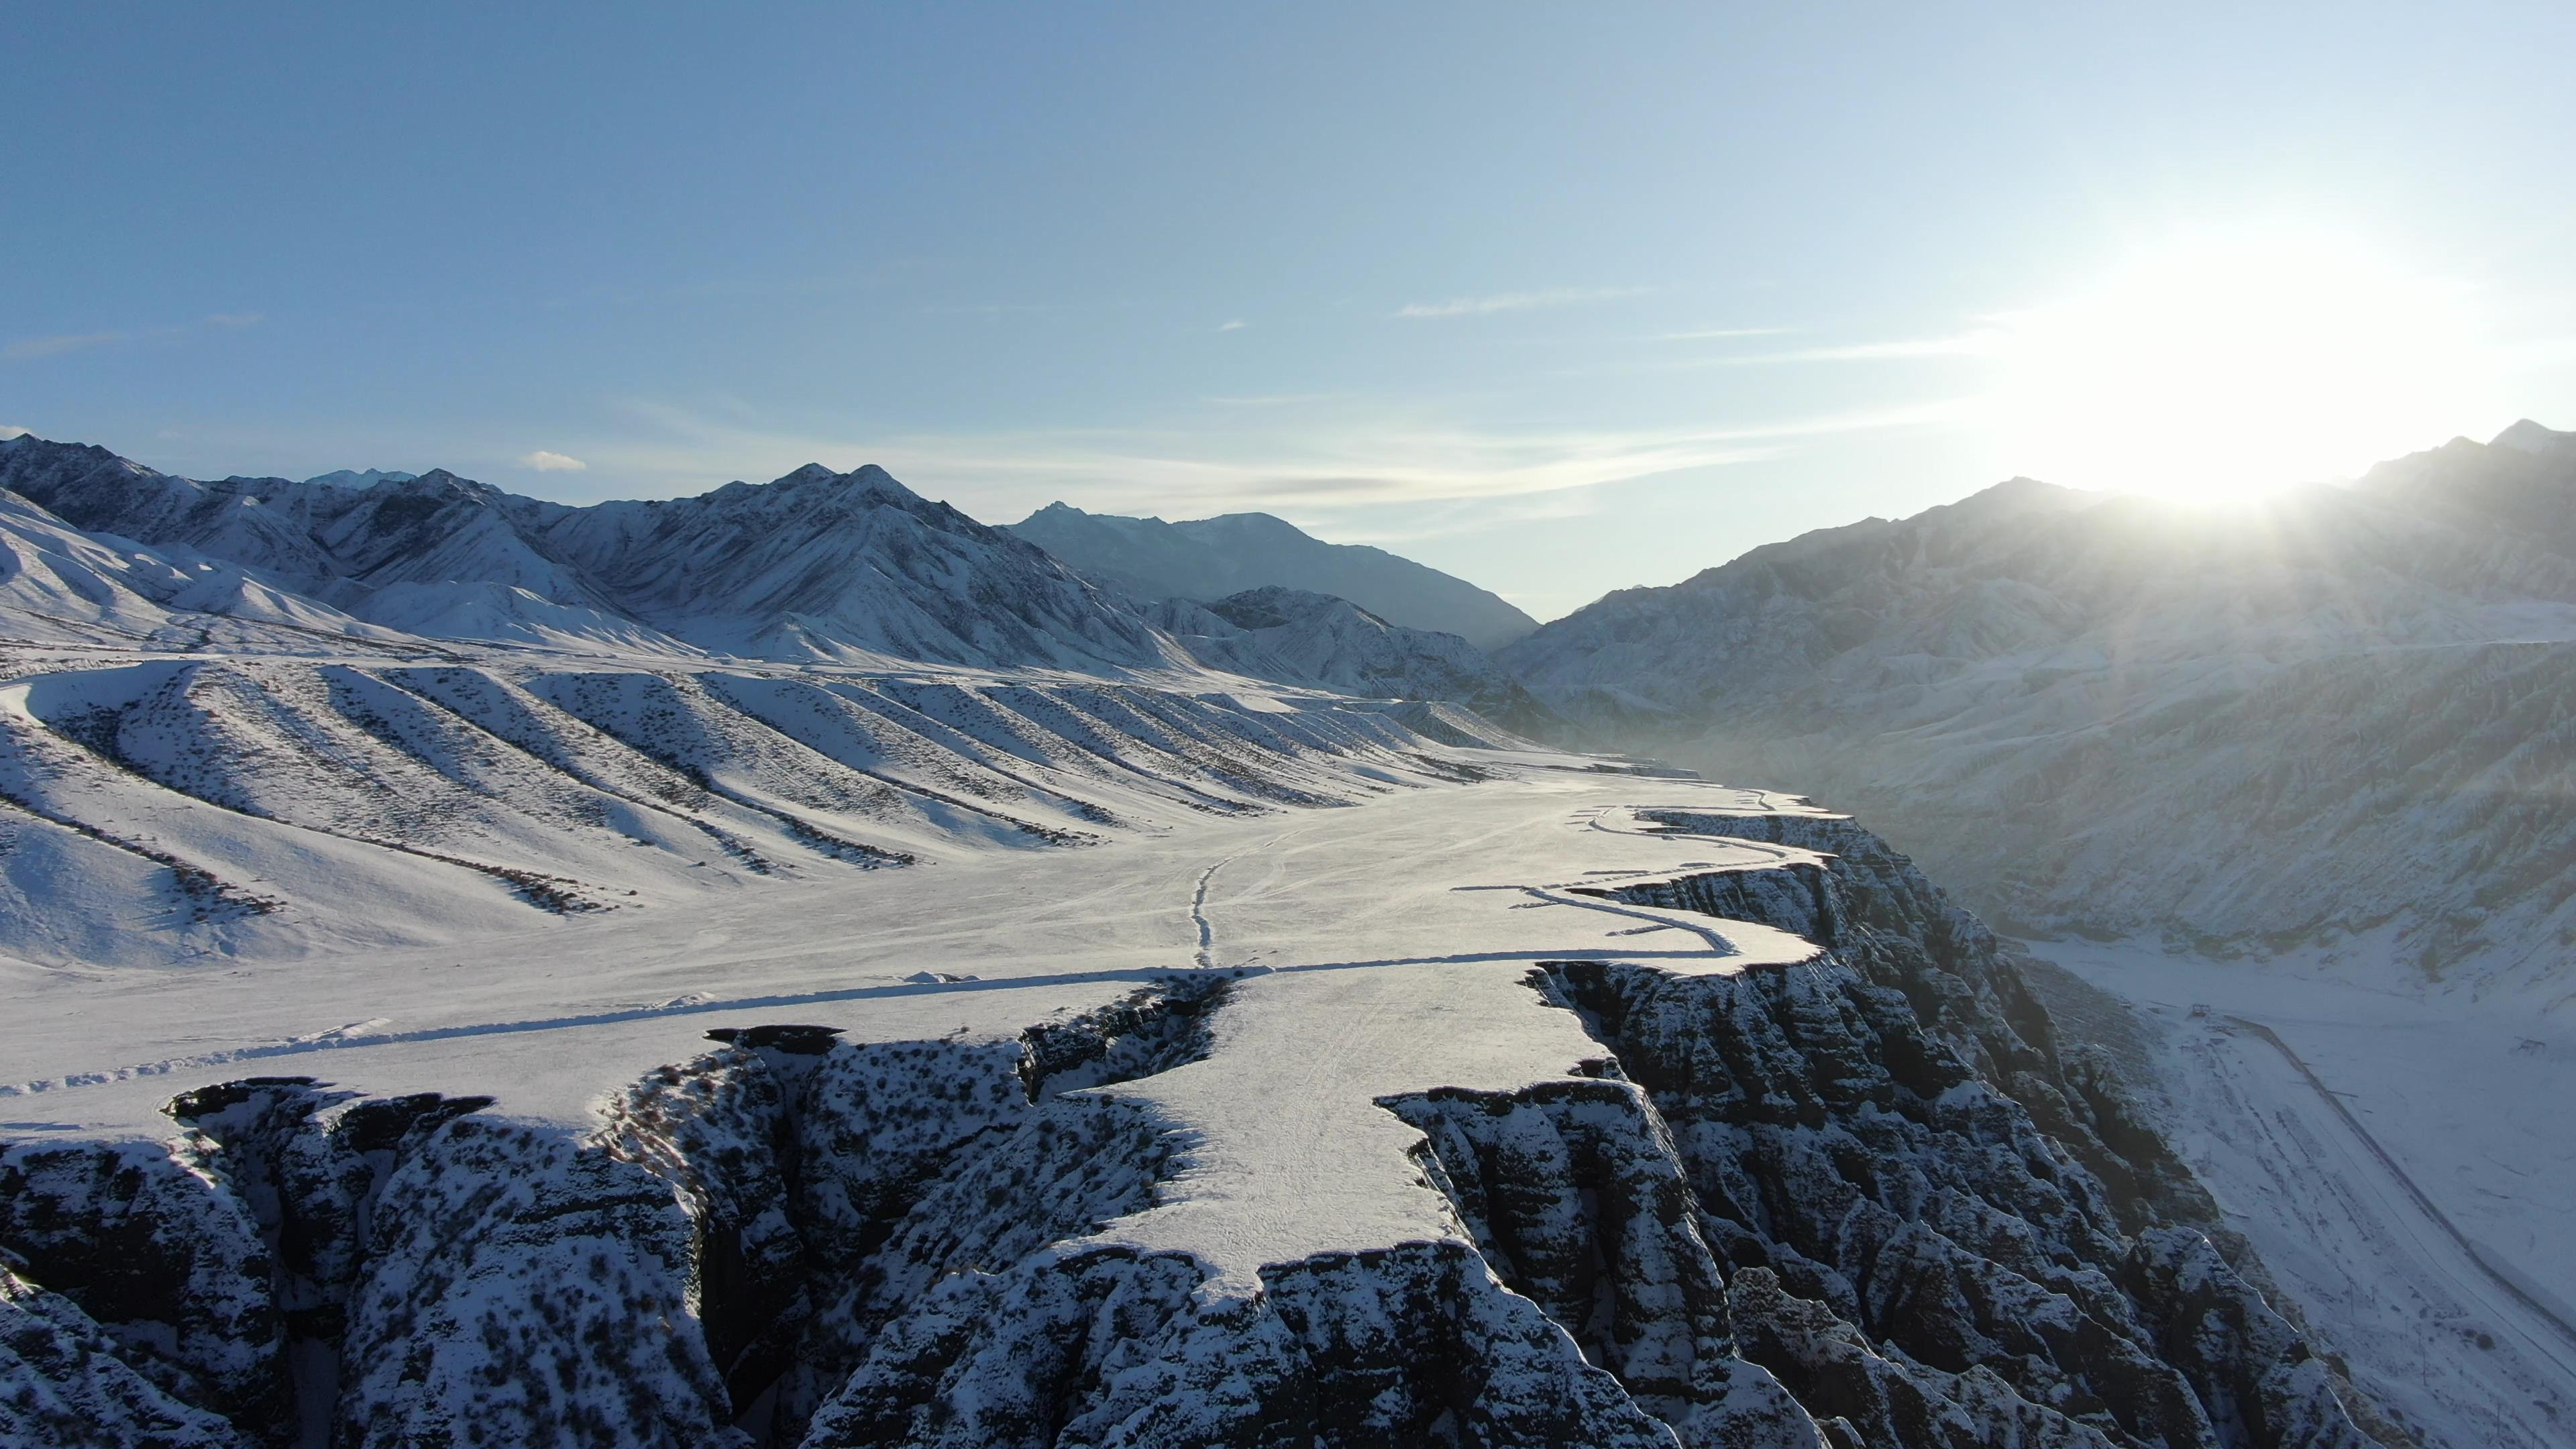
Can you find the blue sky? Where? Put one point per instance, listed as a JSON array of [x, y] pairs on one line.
[[1557, 300]]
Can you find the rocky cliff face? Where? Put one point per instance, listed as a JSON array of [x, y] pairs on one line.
[[1862, 1200]]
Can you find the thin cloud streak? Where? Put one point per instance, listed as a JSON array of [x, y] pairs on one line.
[[34, 347], [1366, 462], [1513, 302], [30, 348], [547, 461], [1966, 344]]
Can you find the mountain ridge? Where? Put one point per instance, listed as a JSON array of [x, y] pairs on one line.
[[1212, 558], [2055, 699]]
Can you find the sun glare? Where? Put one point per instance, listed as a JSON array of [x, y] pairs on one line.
[[2219, 367]]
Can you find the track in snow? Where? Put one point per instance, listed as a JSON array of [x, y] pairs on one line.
[[2537, 1312], [343, 1038], [1198, 915]]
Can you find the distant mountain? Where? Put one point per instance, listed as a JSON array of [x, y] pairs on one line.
[[1306, 638], [1212, 558], [816, 566], [2121, 714], [360, 478]]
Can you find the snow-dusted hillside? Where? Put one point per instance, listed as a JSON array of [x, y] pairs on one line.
[[62, 587], [164, 808], [1304, 638], [1207, 559], [2339, 717]]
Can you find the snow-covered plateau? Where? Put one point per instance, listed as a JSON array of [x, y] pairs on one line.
[[798, 967]]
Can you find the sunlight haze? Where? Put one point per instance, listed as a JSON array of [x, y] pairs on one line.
[[1489, 287]]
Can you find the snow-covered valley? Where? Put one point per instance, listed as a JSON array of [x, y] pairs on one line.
[[467, 987], [1341, 1079]]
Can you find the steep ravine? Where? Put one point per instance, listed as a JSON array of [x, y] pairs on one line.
[[1862, 1200]]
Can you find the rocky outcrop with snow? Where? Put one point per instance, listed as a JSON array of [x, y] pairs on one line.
[[1211, 558], [2123, 715]]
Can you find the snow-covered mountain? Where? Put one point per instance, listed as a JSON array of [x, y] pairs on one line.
[[1211, 558], [2123, 715], [1304, 638], [61, 586], [823, 566]]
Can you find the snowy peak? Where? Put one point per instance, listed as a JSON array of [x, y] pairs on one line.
[[1212, 558], [849, 566]]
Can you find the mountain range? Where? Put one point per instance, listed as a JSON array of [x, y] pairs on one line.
[[2123, 716], [847, 568]]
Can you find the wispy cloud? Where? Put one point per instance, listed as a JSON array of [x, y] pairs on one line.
[[27, 349], [1714, 334], [989, 309], [1514, 301], [550, 462], [1335, 457], [1236, 324], [1964, 344], [33, 347], [12, 430]]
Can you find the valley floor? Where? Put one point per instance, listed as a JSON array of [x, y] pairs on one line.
[[2429, 1230], [1388, 944]]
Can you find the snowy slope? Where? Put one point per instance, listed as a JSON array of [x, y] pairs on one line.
[[61, 586], [264, 806], [1209, 558], [2126, 716], [505, 614], [1289, 635]]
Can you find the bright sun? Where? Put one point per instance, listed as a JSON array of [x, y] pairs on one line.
[[2220, 366]]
